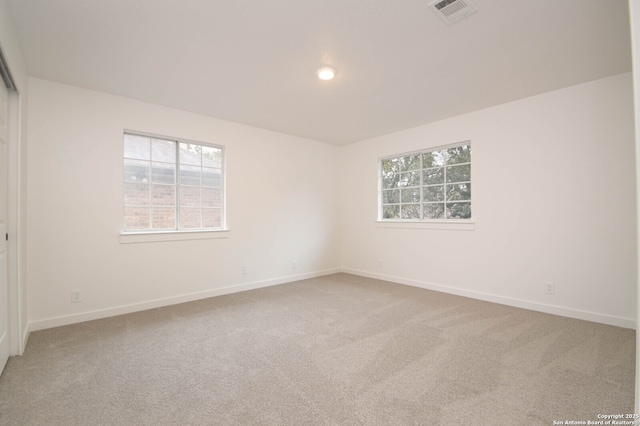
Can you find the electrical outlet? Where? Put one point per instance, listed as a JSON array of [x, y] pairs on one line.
[[314, 262], [76, 296], [380, 263], [245, 269], [550, 288], [294, 264]]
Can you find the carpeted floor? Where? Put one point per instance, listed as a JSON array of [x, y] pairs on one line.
[[335, 350]]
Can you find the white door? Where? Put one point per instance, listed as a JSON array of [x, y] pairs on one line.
[[4, 298]]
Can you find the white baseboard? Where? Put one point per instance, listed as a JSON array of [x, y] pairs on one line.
[[158, 303], [518, 303], [25, 338]]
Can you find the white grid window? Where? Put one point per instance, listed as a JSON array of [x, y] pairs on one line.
[[427, 185], [170, 184]]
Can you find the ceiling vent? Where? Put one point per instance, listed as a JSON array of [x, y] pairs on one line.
[[451, 11]]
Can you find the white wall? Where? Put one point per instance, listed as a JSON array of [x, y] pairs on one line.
[[553, 200], [553, 191], [282, 198]]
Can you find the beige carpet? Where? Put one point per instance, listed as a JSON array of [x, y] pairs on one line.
[[336, 350]]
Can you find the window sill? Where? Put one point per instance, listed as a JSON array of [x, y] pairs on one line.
[[444, 225], [150, 237]]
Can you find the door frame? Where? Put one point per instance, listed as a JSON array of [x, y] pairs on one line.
[[15, 226]]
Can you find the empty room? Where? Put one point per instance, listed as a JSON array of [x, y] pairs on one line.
[[260, 213]]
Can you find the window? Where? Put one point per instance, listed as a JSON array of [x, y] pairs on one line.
[[170, 184], [427, 185]]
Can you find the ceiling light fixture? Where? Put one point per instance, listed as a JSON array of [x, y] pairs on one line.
[[326, 73]]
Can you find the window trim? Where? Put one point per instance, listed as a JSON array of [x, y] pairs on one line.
[[132, 237], [151, 235], [454, 224]]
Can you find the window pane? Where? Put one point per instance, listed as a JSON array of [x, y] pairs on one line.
[[432, 185], [459, 210], [459, 154], [211, 218], [411, 195], [211, 177], [136, 171], [211, 197], [410, 211], [410, 162], [190, 154], [392, 165], [163, 195], [391, 212], [459, 173], [189, 196], [434, 193], [136, 194], [136, 218], [190, 218], [409, 179], [137, 147], [390, 180], [163, 150], [433, 176], [390, 196], [459, 191], [190, 175], [433, 211], [433, 159], [211, 157], [164, 218], [163, 173]]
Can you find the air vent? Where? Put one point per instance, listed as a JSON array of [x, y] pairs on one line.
[[451, 11]]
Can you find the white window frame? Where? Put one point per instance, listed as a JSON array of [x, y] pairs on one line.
[[422, 223], [177, 233]]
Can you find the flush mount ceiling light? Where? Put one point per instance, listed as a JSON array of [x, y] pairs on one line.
[[326, 73]]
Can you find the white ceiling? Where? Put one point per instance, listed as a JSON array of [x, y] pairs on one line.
[[254, 61]]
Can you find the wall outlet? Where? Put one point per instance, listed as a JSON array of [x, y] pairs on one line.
[[314, 262], [549, 288], [76, 296], [245, 269], [294, 264], [380, 263]]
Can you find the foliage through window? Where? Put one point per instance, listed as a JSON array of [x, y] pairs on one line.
[[427, 185], [171, 184]]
